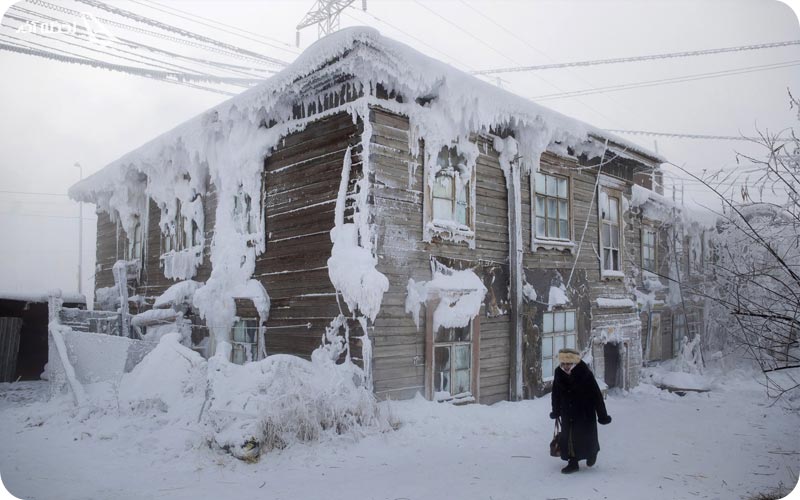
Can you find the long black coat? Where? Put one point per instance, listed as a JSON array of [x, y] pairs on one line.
[[576, 398]]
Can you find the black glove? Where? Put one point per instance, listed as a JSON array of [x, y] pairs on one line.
[[604, 420], [554, 415]]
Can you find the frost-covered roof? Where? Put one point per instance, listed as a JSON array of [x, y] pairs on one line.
[[463, 99]]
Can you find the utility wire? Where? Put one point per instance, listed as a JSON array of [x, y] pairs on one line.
[[271, 42], [232, 68], [666, 81], [180, 31], [163, 76], [652, 57], [155, 34]]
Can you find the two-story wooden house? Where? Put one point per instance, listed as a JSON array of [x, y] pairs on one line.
[[452, 234]]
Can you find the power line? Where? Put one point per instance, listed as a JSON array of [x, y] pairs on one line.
[[180, 31], [163, 76], [666, 81], [155, 34], [242, 70], [270, 42], [468, 33], [652, 57]]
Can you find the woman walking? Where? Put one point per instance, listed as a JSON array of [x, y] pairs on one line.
[[578, 403]]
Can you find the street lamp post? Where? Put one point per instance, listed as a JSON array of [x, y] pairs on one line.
[[80, 236]]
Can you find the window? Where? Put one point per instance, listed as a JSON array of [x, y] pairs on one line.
[[245, 341], [178, 236], [452, 363], [610, 231], [451, 189], [551, 207], [558, 332], [678, 332], [243, 215], [134, 249], [649, 250], [449, 199]]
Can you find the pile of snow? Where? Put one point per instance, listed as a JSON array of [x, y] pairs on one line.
[[282, 399], [557, 297], [612, 303], [170, 379]]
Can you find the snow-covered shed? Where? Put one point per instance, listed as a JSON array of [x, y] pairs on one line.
[[23, 332], [453, 235]]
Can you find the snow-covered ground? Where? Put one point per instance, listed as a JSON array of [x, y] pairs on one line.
[[724, 444]]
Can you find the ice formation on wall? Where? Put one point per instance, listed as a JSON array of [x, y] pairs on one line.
[[459, 294]]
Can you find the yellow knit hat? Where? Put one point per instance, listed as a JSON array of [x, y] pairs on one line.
[[568, 355]]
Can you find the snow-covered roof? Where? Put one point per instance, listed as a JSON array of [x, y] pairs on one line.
[[371, 58]]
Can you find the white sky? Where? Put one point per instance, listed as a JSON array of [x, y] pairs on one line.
[[57, 114]]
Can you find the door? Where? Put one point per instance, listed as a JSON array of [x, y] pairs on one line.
[[611, 361], [655, 353], [9, 347]]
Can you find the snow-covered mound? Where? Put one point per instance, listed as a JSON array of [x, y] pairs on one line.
[[284, 399], [171, 378]]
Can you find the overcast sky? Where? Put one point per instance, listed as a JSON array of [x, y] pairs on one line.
[[57, 114]]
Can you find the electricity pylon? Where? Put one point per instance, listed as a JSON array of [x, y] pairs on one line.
[[325, 14]]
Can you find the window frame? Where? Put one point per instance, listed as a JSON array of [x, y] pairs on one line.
[[653, 247], [549, 242], [553, 334], [253, 354], [434, 227], [611, 188], [474, 356]]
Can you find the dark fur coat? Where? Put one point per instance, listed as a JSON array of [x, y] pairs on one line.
[[577, 399]]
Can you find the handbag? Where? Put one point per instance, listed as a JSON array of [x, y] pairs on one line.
[[555, 447]]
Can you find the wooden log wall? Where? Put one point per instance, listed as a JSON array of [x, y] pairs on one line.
[[302, 182], [399, 347]]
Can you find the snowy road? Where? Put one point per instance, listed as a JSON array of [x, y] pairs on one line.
[[722, 445]]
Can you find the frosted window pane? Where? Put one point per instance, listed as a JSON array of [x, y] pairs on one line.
[[551, 208], [570, 323], [444, 335], [441, 368], [239, 357], [547, 368], [540, 227], [461, 213], [461, 383], [443, 187], [571, 341], [462, 357], [547, 346], [613, 209], [563, 229], [559, 343], [606, 234], [539, 183], [552, 228], [562, 188], [563, 210], [615, 237], [442, 209], [540, 206], [239, 332], [552, 186], [548, 322], [559, 322]]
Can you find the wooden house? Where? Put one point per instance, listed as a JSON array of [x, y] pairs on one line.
[[454, 235]]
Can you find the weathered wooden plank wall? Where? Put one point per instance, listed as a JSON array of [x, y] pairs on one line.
[[399, 347]]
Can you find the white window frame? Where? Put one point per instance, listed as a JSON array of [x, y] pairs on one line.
[[449, 164], [651, 247], [611, 188], [548, 355], [547, 241]]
